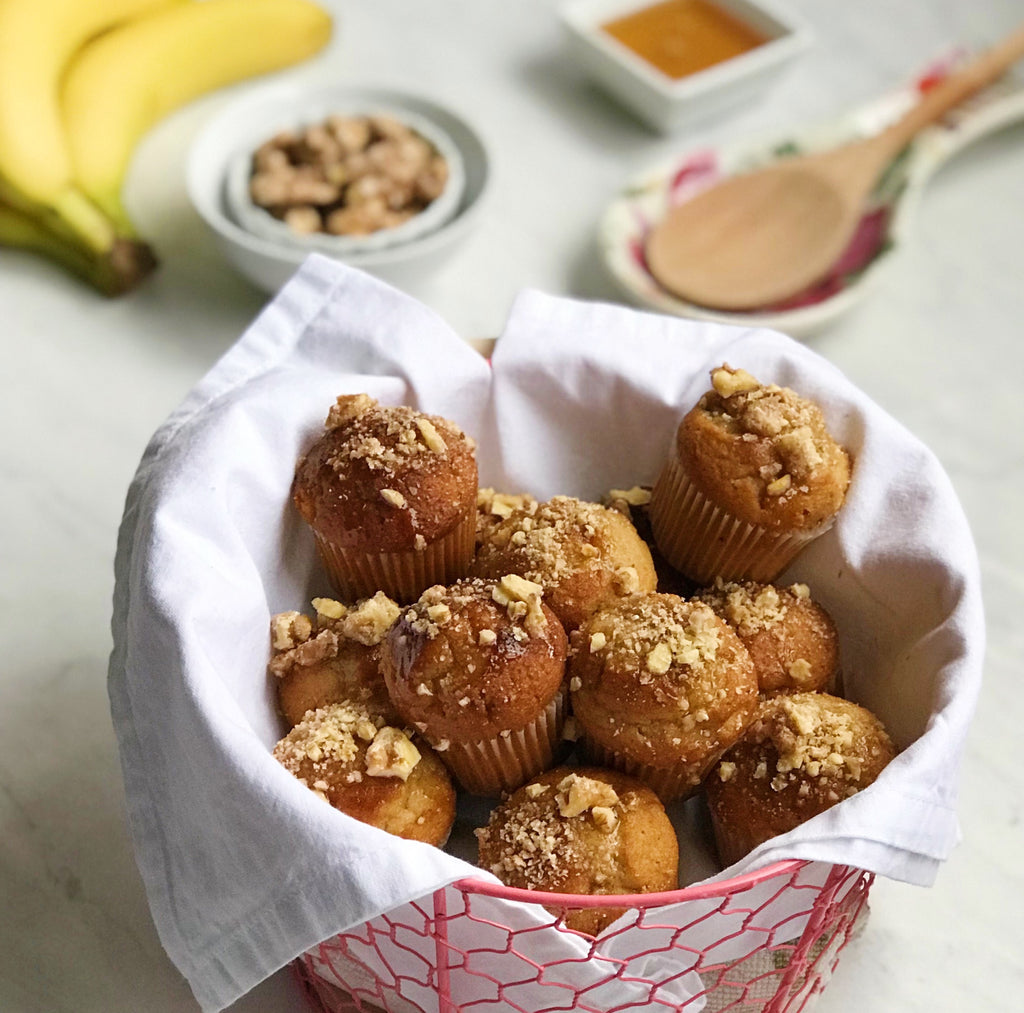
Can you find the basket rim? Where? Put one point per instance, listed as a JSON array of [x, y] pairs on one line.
[[701, 891]]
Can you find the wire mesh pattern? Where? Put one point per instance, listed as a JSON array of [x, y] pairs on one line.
[[766, 942]]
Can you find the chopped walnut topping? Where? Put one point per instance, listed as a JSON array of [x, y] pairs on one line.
[[534, 790], [431, 437], [726, 770], [487, 637], [779, 485], [800, 671], [597, 642], [659, 660], [637, 496], [370, 619], [513, 591], [394, 497], [391, 754], [328, 610], [728, 381], [289, 629], [348, 407], [604, 817], [577, 794]]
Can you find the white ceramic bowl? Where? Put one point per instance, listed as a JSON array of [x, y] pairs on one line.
[[283, 113], [269, 261], [665, 103]]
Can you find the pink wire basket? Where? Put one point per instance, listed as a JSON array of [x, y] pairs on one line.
[[766, 941]]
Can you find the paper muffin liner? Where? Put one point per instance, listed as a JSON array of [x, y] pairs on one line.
[[403, 576], [491, 766], [703, 541], [668, 783]]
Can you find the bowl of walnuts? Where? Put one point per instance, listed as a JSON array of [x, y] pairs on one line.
[[384, 181]]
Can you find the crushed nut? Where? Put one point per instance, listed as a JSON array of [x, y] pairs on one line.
[[391, 754]]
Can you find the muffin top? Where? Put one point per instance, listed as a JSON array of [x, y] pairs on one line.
[[663, 681], [802, 754], [331, 656], [791, 638], [475, 659], [585, 830], [584, 555], [385, 479], [372, 771], [763, 453]]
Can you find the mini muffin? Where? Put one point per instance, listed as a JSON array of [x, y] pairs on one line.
[[660, 687], [372, 771], [791, 638], [492, 507], [584, 555], [478, 668], [390, 494], [582, 831], [802, 754], [753, 477], [331, 657]]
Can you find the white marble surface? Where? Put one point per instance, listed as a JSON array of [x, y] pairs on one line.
[[85, 382]]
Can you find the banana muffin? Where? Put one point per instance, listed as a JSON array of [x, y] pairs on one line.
[[584, 555], [478, 668], [791, 638], [332, 656], [390, 495], [802, 754], [582, 831], [752, 478], [660, 687], [373, 771]]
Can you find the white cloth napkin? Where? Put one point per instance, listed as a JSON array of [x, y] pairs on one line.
[[243, 866]]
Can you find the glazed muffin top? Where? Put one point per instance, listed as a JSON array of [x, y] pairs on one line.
[[763, 453], [585, 830], [373, 771], [791, 638], [663, 681], [331, 656], [801, 755], [583, 554], [386, 479], [475, 659]]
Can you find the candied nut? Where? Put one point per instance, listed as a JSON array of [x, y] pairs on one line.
[[394, 497], [728, 381], [348, 407], [391, 754], [431, 437]]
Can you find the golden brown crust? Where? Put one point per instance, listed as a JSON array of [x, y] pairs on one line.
[[791, 638], [470, 661], [802, 754], [763, 453], [335, 751], [662, 681], [386, 479], [582, 830], [331, 656], [585, 555]]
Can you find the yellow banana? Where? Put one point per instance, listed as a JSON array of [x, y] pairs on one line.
[[26, 232], [125, 80], [37, 37]]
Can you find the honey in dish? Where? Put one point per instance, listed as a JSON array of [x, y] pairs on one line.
[[680, 37]]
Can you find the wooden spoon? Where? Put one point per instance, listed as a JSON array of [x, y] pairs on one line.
[[762, 237]]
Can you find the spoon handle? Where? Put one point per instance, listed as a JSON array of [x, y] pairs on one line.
[[981, 71]]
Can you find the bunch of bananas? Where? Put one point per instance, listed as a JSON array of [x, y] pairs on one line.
[[82, 80]]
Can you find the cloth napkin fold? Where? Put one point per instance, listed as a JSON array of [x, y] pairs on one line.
[[244, 867]]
